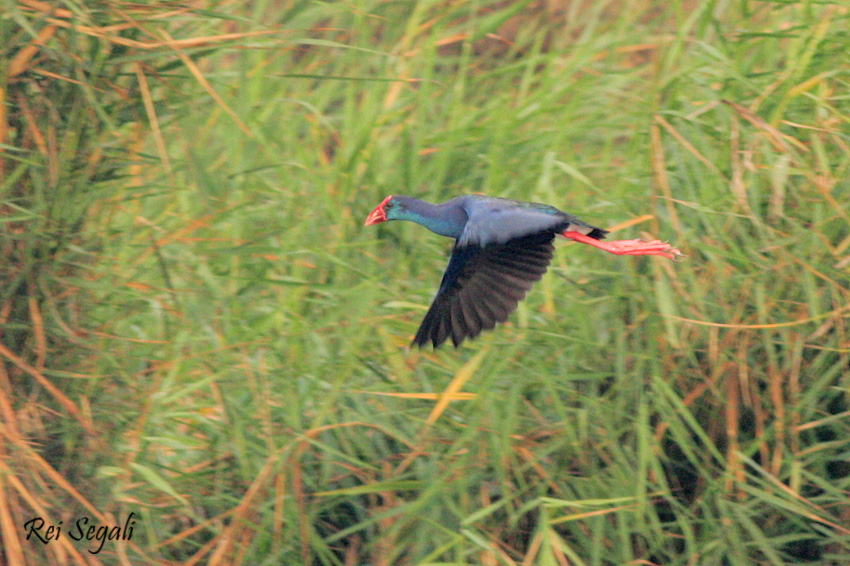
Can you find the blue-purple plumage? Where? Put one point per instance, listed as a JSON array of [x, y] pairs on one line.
[[499, 220], [502, 247]]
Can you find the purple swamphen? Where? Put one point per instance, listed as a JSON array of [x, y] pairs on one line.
[[502, 247]]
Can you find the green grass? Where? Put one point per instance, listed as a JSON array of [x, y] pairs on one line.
[[193, 277]]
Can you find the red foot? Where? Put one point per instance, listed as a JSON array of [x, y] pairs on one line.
[[627, 247]]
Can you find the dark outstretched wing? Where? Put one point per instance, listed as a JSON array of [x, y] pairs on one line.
[[482, 287]]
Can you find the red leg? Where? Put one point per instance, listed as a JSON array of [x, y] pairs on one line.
[[627, 247]]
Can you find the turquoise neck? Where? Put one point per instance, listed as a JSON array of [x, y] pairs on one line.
[[447, 219]]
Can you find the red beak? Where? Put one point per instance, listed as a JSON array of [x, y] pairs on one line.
[[379, 214]]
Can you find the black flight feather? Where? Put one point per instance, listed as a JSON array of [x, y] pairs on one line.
[[482, 287]]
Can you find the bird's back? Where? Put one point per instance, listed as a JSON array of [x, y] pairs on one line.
[[498, 220]]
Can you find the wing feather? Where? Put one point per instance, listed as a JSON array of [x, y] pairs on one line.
[[482, 287]]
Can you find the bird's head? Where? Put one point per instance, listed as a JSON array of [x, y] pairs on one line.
[[387, 210]]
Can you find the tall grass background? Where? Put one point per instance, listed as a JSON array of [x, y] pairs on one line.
[[195, 326]]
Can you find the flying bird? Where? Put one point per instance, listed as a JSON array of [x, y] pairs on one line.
[[502, 247]]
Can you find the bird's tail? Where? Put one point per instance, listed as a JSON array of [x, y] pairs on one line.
[[582, 227]]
